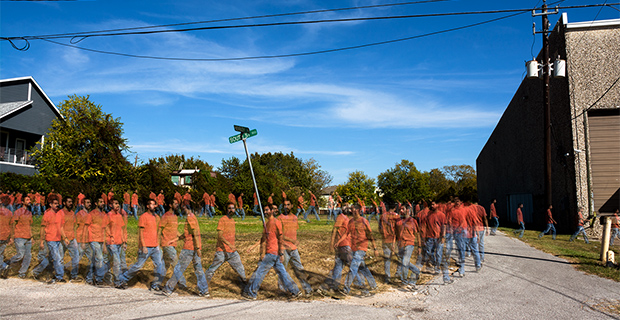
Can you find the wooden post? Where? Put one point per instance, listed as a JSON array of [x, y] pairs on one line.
[[605, 239]]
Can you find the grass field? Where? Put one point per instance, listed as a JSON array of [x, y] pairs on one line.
[[314, 237], [584, 256]]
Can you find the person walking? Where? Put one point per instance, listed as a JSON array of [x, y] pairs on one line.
[[21, 235], [580, 222], [550, 224], [494, 218], [290, 243], [521, 229], [360, 233]]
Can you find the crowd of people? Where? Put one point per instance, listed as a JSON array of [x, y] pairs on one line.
[[418, 236]]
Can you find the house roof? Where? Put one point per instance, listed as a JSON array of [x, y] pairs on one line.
[[185, 171], [9, 108], [328, 190], [38, 87]]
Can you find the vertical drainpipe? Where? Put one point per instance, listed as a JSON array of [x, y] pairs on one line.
[[588, 170]]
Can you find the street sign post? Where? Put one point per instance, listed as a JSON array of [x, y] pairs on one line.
[[239, 137], [243, 135]]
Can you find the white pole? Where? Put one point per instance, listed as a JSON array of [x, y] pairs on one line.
[[245, 145]]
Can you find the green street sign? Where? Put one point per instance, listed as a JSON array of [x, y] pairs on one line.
[[237, 138], [241, 129]]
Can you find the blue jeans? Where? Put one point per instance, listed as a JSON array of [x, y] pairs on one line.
[[461, 241], [161, 210], [387, 255], [300, 210], [74, 254], [293, 257], [495, 225], [234, 260], [114, 250], [550, 227], [256, 210], [405, 265], [449, 244], [88, 252], [134, 208], [433, 252], [240, 213], [170, 258], [358, 265], [343, 257], [472, 244], [97, 266], [309, 211], [268, 262], [480, 235], [36, 209], [580, 229], [3, 245], [521, 229], [156, 256], [615, 232], [53, 251], [24, 254], [185, 258]]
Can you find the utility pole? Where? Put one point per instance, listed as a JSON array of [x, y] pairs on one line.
[[546, 99]]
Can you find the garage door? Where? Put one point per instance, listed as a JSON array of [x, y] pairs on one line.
[[604, 134]]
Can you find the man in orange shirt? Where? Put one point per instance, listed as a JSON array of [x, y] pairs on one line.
[[458, 222], [81, 230], [22, 236], [240, 206], [550, 224], [148, 247], [134, 204], [360, 233], [580, 229], [615, 228], [72, 247], [312, 208], [126, 201], [301, 203], [213, 204], [387, 226], [256, 210], [271, 251], [161, 199], [206, 198], [52, 232], [191, 252], [290, 243], [433, 222], [116, 239], [168, 228], [95, 234], [104, 196], [110, 197], [80, 202], [408, 235], [6, 216], [187, 201], [472, 240], [520, 221], [225, 249], [494, 217]]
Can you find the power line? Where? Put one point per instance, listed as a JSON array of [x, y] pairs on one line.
[[597, 100], [245, 18], [255, 25], [290, 54]]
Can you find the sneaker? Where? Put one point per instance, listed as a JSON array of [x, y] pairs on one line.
[[89, 281], [155, 288], [4, 273], [322, 292], [450, 281], [298, 295], [62, 280], [343, 291], [365, 293], [36, 276], [478, 268], [22, 276], [121, 286], [52, 281], [165, 292], [76, 279], [205, 294], [246, 296]]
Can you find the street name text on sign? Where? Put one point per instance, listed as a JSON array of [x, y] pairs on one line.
[[237, 137]]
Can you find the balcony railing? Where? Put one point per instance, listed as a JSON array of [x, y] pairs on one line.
[[12, 155]]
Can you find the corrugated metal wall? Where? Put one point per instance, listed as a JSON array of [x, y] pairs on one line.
[[604, 134]]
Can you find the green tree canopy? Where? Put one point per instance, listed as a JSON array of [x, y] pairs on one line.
[[358, 184], [404, 183], [86, 146]]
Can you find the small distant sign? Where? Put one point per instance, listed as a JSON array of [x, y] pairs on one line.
[[237, 137], [242, 129]]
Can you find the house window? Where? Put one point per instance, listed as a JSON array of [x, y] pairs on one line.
[[175, 180], [188, 180]]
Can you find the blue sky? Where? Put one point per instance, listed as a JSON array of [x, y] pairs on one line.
[[433, 100]]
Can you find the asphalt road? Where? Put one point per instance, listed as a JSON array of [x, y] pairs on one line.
[[516, 282]]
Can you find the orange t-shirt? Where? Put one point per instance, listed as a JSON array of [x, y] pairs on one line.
[[23, 223], [206, 198], [482, 216], [289, 230], [519, 215], [170, 224], [80, 221], [493, 211], [357, 230], [458, 217], [134, 199], [96, 221], [187, 198], [300, 202], [388, 226], [148, 223], [115, 228], [80, 198], [312, 200], [105, 198], [69, 224], [53, 221], [434, 221], [5, 223], [407, 231], [240, 202], [227, 226], [273, 228], [231, 198], [192, 226], [213, 200], [160, 199], [342, 231], [126, 198]]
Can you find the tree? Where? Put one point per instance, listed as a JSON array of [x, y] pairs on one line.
[[404, 183], [358, 184], [464, 181], [86, 146]]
